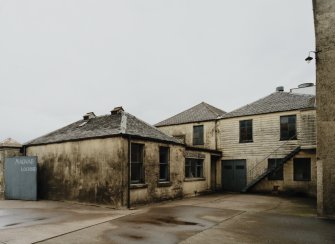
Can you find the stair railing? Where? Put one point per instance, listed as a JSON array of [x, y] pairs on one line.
[[260, 167]]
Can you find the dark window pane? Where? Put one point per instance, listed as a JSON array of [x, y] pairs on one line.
[[288, 127], [302, 169], [163, 163], [193, 168], [198, 135], [246, 131], [278, 173], [137, 175], [163, 172]]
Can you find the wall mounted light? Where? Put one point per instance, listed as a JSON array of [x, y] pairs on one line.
[[309, 58]]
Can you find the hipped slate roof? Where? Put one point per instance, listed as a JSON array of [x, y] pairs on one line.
[[201, 112], [275, 102], [9, 142], [104, 126]]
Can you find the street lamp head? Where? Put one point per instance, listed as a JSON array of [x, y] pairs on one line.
[[308, 59]]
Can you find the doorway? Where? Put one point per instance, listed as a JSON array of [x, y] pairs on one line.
[[234, 175]]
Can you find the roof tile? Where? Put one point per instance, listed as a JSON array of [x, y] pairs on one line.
[[275, 102], [201, 112], [102, 126]]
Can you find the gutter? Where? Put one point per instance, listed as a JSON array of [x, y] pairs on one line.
[[189, 148]]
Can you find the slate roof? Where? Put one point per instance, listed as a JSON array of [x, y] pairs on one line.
[[9, 142], [275, 102], [104, 126], [201, 112]]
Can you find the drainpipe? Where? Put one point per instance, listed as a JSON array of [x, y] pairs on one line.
[[24, 150], [129, 171], [216, 133]]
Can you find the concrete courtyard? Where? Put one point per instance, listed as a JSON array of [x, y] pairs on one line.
[[219, 218]]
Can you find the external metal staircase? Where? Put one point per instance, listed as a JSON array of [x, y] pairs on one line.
[[260, 170]]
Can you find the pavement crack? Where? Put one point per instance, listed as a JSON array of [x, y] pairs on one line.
[[83, 228]]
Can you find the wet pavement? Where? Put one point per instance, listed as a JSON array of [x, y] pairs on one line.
[[30, 222], [220, 218]]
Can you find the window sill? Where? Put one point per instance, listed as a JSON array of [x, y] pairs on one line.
[[246, 141], [294, 139], [194, 179], [164, 184], [138, 186], [302, 180]]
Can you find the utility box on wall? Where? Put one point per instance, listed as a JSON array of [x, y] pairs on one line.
[[21, 178]]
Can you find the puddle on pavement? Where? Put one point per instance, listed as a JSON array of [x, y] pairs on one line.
[[23, 217], [166, 224], [162, 220], [14, 218]]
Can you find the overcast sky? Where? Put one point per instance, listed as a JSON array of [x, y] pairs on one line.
[[62, 58]]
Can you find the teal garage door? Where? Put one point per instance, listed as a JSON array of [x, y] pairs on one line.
[[234, 175]]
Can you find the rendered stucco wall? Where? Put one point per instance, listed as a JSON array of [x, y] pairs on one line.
[[195, 186], [324, 21], [288, 184], [187, 131], [152, 190], [88, 170], [267, 144]]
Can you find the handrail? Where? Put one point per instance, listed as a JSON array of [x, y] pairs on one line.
[[261, 161]]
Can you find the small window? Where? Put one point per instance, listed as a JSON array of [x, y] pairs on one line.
[[245, 131], [288, 127], [302, 169], [164, 164], [278, 173], [137, 173], [193, 168], [198, 135]]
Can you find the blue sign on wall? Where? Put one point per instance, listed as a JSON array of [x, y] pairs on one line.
[[21, 178]]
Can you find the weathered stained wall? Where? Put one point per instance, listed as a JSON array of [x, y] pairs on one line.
[[5, 153], [187, 131], [324, 20], [288, 184], [152, 190], [197, 186], [266, 134], [88, 170], [266, 139]]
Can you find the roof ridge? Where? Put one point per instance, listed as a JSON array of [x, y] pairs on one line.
[[199, 112], [177, 114], [151, 126], [210, 108]]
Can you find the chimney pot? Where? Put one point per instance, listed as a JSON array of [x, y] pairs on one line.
[[117, 110], [89, 115], [280, 89]]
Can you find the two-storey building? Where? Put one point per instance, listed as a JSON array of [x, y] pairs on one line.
[[270, 144], [197, 128]]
